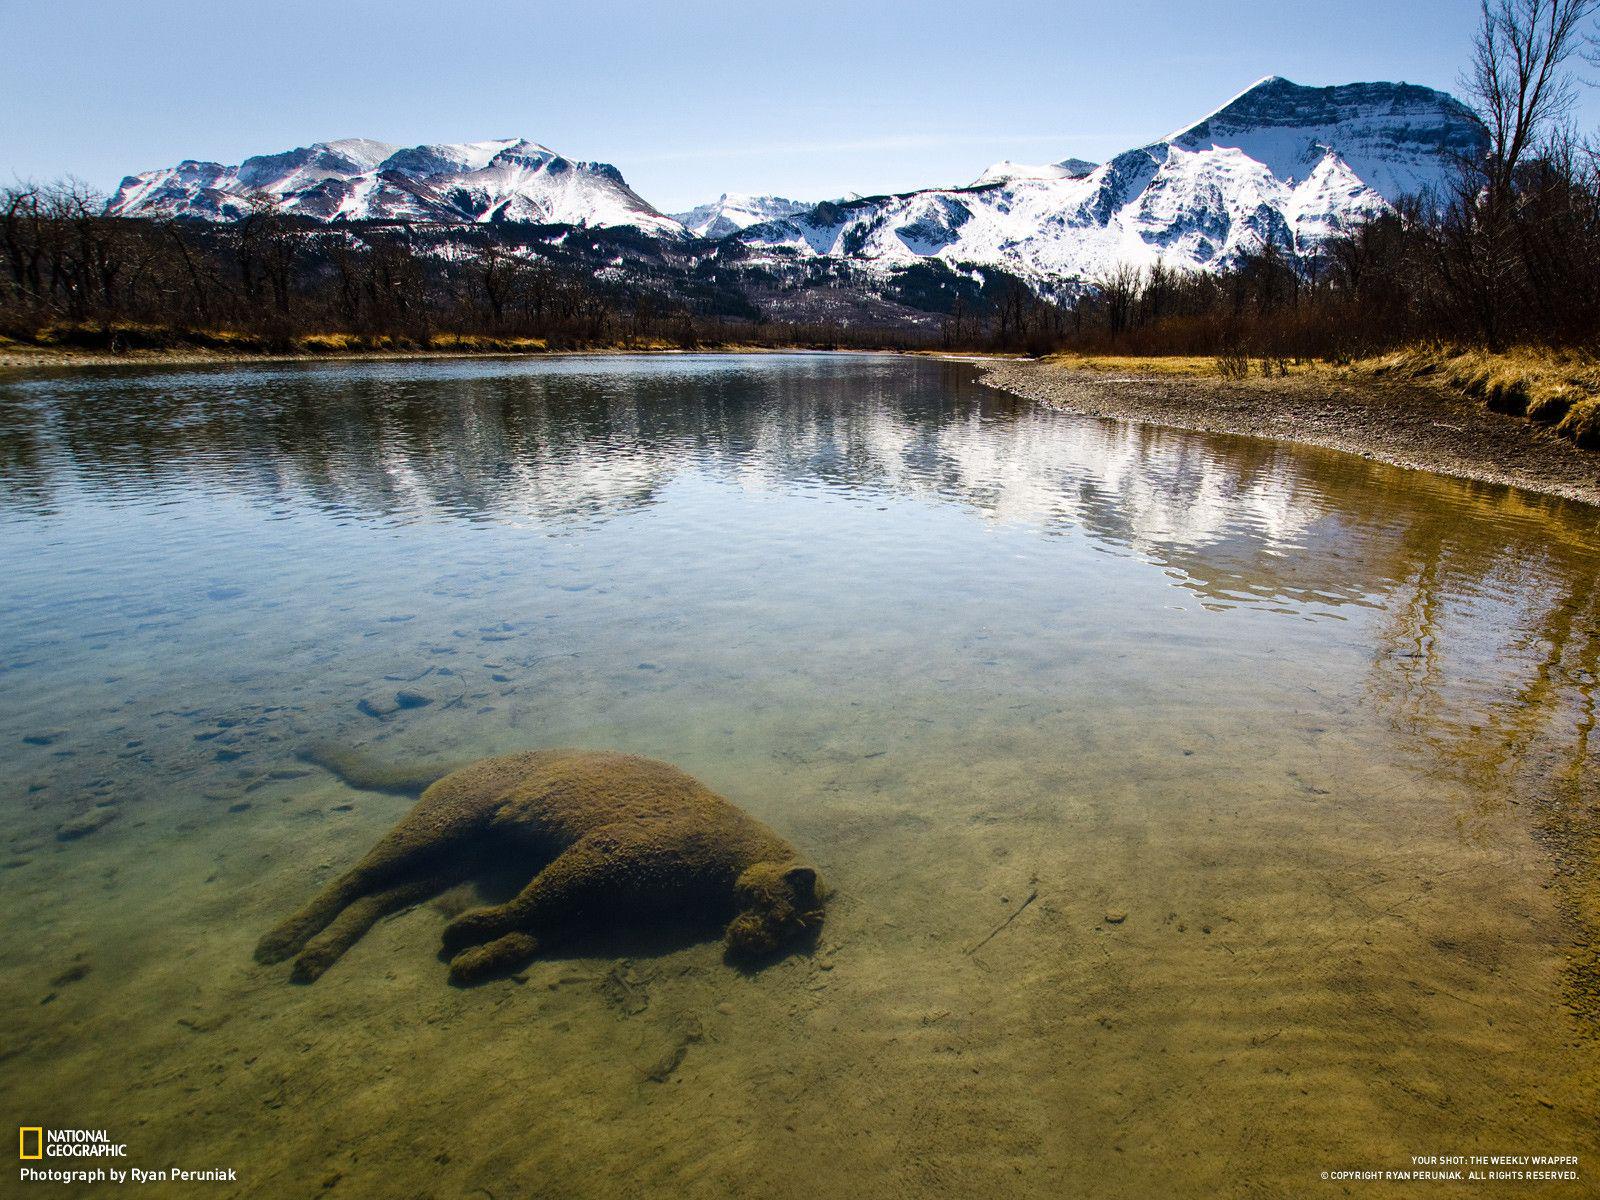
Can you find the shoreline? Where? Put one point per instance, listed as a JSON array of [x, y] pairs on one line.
[[1409, 424], [1404, 424], [25, 358]]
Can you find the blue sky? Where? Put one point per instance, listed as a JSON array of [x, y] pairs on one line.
[[808, 98]]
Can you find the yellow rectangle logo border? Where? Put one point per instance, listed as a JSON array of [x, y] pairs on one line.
[[22, 1142]]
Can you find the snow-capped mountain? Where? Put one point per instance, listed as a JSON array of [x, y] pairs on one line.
[[356, 179], [1279, 163], [733, 211], [1067, 168], [1397, 138]]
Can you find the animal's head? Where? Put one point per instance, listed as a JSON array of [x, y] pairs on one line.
[[778, 904]]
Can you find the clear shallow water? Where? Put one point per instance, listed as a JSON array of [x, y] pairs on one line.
[[1318, 727]]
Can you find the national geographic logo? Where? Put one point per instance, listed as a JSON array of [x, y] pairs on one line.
[[37, 1143]]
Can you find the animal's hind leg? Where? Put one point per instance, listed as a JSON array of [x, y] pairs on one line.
[[401, 851], [323, 950], [613, 866], [551, 893], [493, 958], [285, 939]]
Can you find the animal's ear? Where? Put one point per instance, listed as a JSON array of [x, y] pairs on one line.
[[802, 879]]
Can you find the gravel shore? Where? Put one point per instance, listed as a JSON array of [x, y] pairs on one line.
[[1407, 425]]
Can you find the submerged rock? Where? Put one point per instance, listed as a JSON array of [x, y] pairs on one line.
[[379, 705], [77, 971], [684, 1033], [86, 823], [624, 990]]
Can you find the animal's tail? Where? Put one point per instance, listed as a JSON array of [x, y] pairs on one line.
[[405, 780]]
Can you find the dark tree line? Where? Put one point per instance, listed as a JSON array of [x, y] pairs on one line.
[[269, 280], [272, 278]]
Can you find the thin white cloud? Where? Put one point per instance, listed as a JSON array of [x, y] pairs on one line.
[[914, 141]]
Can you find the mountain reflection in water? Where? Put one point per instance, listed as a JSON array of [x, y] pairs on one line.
[[1469, 573]]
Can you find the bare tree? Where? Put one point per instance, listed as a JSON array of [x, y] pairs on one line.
[[1119, 291], [1518, 79], [498, 272], [22, 217]]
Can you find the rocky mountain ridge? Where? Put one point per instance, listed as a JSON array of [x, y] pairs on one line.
[[1280, 163]]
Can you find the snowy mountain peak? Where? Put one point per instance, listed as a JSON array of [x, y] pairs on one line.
[[733, 211], [1280, 164], [312, 164], [355, 179], [1269, 82], [451, 157], [1399, 138], [361, 153], [1006, 170]]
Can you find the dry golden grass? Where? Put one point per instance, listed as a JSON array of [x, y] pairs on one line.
[[327, 342], [473, 343], [1559, 389], [69, 341], [1556, 388], [68, 337], [1173, 365]]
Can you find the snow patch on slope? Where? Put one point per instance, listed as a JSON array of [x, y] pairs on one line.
[[1006, 171]]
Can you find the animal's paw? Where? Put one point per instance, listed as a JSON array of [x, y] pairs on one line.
[[281, 943], [474, 927], [308, 968], [496, 958]]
